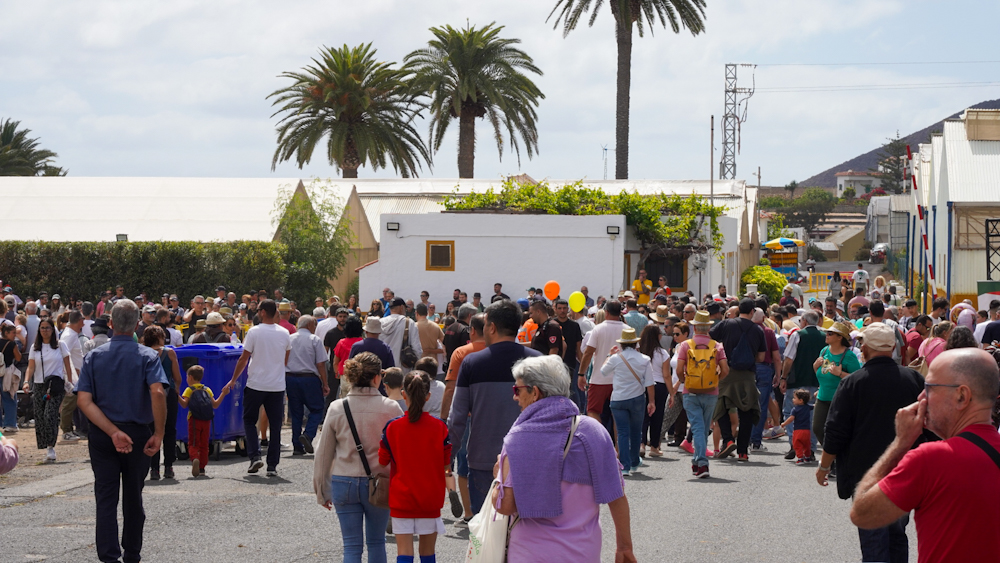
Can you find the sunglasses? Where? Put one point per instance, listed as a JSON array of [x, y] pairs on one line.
[[678, 334]]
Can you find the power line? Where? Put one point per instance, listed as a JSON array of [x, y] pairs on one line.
[[884, 63], [863, 87]]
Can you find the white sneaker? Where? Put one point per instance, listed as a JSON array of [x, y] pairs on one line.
[[50, 456]]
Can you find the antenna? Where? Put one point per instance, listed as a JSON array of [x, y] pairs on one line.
[[606, 149], [736, 113]]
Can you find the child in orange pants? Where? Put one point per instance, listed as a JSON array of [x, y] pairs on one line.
[[201, 403], [801, 420]]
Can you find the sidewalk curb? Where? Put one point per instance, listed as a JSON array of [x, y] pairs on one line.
[[46, 487]]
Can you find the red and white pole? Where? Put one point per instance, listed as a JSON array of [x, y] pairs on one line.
[[920, 215]]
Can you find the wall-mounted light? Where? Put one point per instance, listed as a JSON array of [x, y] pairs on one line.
[[614, 230], [392, 226], [121, 238]]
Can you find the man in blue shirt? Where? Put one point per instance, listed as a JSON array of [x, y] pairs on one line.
[[371, 343], [122, 392]]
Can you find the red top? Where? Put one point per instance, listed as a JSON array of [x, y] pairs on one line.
[[287, 326], [419, 453], [954, 487]]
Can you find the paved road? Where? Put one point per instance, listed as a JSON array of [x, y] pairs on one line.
[[767, 510]]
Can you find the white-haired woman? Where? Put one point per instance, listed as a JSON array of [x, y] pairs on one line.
[[556, 468]]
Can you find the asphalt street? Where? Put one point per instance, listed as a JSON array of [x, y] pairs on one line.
[[766, 510]]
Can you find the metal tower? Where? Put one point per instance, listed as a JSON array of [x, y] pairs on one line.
[[736, 113]]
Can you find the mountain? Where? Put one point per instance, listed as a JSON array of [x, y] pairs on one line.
[[869, 160]]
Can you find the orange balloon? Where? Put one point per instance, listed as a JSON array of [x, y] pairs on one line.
[[551, 290]]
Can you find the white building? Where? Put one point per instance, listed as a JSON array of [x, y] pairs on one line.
[[862, 182]]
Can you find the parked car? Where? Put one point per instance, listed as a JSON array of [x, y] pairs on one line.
[[879, 253]]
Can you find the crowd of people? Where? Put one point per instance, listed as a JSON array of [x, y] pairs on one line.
[[406, 409]]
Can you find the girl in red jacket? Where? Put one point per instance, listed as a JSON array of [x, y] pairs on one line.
[[417, 451]]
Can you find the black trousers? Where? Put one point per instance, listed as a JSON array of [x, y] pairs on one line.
[[743, 437], [113, 470], [274, 406], [169, 435], [652, 426]]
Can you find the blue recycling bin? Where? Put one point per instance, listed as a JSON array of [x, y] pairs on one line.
[[218, 361]]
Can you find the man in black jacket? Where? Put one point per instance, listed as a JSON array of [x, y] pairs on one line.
[[861, 425]]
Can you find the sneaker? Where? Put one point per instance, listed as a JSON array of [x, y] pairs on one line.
[[774, 433], [298, 452], [284, 447], [703, 472], [168, 472], [710, 453], [154, 474], [801, 461], [743, 457], [642, 451], [70, 437], [306, 443], [727, 450], [196, 468], [82, 435], [625, 473], [50, 456], [641, 464], [810, 458], [272, 472], [758, 448], [687, 446], [655, 452], [790, 455], [694, 470], [255, 466], [456, 504], [263, 442], [9, 430]]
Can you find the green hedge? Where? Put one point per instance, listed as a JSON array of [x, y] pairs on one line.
[[769, 281], [84, 269]]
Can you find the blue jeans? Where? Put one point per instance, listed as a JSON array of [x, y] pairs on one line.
[[358, 519], [699, 410], [786, 411], [8, 406], [628, 416], [765, 381], [304, 392], [886, 544], [462, 455], [479, 486]]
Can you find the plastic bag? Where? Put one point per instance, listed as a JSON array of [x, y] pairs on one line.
[[489, 532]]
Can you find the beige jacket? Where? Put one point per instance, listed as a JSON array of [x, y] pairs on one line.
[[336, 453]]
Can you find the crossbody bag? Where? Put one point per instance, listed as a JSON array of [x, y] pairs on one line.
[[378, 484], [983, 445]]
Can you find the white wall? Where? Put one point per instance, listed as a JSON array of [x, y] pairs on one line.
[[519, 251], [718, 273]]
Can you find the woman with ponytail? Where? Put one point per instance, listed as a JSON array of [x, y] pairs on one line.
[[415, 447]]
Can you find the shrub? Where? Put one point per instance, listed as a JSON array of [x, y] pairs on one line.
[[772, 202], [83, 270], [815, 253], [865, 252], [769, 282]]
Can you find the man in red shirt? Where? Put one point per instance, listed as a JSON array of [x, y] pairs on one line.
[[954, 484], [915, 337]]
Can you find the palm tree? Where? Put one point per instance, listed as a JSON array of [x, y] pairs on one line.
[[643, 13], [20, 155], [363, 107], [472, 73]]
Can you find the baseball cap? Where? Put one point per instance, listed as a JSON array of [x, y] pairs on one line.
[[397, 302], [220, 288], [880, 337], [149, 309], [56, 296]]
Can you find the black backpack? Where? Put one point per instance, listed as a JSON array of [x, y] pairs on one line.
[[200, 405], [743, 357]]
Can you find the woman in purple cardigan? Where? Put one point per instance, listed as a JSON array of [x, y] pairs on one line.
[[557, 492]]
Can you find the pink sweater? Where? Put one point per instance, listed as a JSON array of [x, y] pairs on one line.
[[8, 458]]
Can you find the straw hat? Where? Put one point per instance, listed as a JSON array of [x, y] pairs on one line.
[[628, 336], [284, 306], [841, 329], [702, 318], [661, 314], [200, 323], [215, 319]]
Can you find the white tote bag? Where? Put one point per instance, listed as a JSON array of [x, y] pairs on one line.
[[488, 533]]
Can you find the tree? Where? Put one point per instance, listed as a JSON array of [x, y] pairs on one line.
[[776, 227], [688, 14], [473, 73], [810, 208], [891, 169], [363, 107], [314, 227], [661, 223], [850, 193], [20, 155], [790, 188]]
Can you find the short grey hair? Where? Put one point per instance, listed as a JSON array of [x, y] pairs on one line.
[[811, 318], [125, 316], [548, 373], [30, 308], [466, 311], [305, 321]]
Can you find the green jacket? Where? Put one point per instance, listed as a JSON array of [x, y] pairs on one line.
[[811, 342]]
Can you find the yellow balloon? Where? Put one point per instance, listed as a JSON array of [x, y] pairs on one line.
[[577, 301]]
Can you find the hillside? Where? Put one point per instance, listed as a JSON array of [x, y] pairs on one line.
[[868, 161]]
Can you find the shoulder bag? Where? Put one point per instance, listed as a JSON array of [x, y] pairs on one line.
[[634, 374], [407, 357], [11, 375], [983, 445], [378, 484]]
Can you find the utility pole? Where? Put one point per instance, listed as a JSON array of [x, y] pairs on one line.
[[731, 121], [711, 165]]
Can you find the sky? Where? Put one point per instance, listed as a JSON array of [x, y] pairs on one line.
[[180, 88]]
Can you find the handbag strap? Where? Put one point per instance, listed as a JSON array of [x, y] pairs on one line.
[[572, 430], [983, 445], [629, 366], [406, 335], [357, 440]]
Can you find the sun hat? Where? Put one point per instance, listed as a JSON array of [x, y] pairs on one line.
[[225, 310], [373, 325], [880, 337], [841, 329], [702, 318], [628, 336], [214, 318], [200, 324], [661, 314], [629, 295]]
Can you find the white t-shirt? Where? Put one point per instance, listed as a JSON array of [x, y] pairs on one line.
[[49, 358], [433, 404], [861, 275], [586, 325], [659, 356], [324, 327], [86, 328], [176, 338], [267, 344], [602, 338], [71, 339]]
